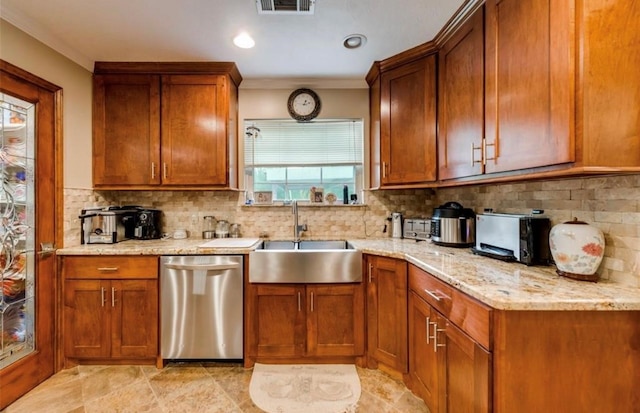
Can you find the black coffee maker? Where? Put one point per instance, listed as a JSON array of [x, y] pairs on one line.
[[147, 224]]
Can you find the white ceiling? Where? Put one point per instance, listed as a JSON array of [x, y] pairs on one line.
[[289, 48]]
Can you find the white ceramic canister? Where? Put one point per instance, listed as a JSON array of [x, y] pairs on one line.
[[577, 249]]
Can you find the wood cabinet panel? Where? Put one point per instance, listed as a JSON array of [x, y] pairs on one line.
[[278, 321], [85, 319], [529, 94], [387, 312], [408, 123], [194, 150], [126, 110], [335, 323], [109, 266], [461, 101], [134, 327], [423, 360]]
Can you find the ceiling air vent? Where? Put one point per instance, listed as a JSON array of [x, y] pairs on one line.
[[285, 6]]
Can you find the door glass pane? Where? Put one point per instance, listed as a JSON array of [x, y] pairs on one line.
[[17, 230]]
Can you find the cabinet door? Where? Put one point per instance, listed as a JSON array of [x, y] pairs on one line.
[[387, 312], [134, 318], [126, 130], [335, 322], [461, 101], [194, 124], [423, 357], [86, 327], [278, 321], [468, 373], [529, 84], [408, 123]]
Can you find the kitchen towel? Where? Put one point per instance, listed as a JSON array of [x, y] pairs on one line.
[[305, 388]]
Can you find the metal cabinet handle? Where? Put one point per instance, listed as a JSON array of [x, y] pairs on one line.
[[164, 170], [108, 268], [384, 169], [153, 170], [473, 153], [437, 330], [113, 297], [484, 151], [102, 296], [312, 301], [370, 269], [428, 321], [299, 302]]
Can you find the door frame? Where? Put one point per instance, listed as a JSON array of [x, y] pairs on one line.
[[49, 228]]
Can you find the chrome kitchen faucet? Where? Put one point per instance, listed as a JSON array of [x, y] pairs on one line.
[[297, 229]]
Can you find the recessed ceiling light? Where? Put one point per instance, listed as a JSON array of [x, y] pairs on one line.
[[244, 41], [353, 41]]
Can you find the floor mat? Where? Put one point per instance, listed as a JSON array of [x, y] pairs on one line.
[[308, 388]]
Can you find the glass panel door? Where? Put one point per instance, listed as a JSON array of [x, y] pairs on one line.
[[17, 229]]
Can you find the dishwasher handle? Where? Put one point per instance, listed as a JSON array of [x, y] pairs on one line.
[[201, 267]]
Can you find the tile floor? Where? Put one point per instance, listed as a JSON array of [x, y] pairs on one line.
[[185, 388]]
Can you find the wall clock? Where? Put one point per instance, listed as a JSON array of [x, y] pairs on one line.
[[303, 105]]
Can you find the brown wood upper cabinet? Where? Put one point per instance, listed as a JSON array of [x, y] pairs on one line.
[[545, 88], [165, 126], [403, 118]]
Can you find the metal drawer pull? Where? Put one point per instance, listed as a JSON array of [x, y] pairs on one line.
[[113, 297], [102, 296], [434, 295], [312, 302], [108, 268], [299, 305]]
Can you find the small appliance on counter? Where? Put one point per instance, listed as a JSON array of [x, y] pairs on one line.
[[396, 225], [416, 228], [107, 225], [452, 225], [513, 237], [147, 223]]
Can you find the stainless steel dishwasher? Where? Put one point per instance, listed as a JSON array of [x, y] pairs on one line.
[[201, 307]]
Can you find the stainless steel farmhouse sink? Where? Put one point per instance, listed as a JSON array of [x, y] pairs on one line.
[[305, 262]]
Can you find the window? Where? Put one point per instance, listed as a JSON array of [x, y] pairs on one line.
[[288, 158]]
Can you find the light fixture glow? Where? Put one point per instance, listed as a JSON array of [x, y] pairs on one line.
[[244, 41], [354, 41]]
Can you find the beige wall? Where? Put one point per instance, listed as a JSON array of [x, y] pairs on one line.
[[22, 50]]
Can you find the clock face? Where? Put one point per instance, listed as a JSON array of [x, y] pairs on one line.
[[304, 105]]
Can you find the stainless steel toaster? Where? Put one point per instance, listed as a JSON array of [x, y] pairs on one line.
[[513, 237]]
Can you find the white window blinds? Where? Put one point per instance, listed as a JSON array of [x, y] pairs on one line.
[[289, 143]]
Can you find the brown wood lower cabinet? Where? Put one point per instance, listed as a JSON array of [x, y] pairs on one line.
[[110, 308], [297, 321], [387, 312], [447, 368], [467, 357]]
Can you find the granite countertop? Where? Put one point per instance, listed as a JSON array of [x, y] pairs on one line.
[[501, 285]]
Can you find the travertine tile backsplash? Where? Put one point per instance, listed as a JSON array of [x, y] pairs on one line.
[[611, 203]]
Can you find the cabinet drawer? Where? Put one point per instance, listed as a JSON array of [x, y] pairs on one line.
[[468, 314], [95, 267]]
